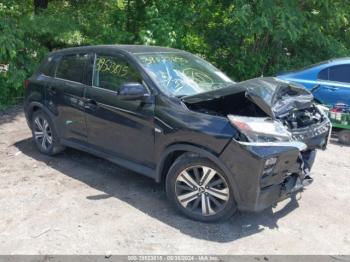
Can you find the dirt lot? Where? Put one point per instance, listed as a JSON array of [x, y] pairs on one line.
[[75, 203]]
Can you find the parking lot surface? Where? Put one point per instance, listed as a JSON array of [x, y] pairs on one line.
[[75, 203]]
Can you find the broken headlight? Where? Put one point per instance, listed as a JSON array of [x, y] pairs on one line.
[[259, 129]]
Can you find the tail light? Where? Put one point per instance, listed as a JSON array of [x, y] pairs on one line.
[[26, 83]]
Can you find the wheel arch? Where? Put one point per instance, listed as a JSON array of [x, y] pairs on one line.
[[172, 152], [35, 106], [343, 136]]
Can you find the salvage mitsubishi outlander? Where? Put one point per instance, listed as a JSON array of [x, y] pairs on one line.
[[218, 145]]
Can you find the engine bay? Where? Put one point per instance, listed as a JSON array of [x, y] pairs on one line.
[[306, 123], [301, 118], [239, 104]]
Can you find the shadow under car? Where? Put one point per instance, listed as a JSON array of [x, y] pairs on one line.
[[149, 197]]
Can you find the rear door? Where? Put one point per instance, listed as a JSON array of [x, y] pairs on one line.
[[65, 94], [121, 128], [334, 85]]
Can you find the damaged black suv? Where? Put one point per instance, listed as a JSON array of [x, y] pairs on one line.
[[220, 146]]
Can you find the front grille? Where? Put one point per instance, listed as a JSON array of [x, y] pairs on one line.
[[312, 131]]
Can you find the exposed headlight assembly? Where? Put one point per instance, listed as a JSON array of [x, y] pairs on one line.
[[260, 129]]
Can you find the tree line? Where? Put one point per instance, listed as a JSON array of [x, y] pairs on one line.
[[244, 38]]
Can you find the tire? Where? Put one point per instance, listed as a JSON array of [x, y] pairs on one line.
[[199, 189], [44, 134], [344, 137]]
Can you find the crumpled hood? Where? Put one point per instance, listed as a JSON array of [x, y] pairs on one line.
[[275, 97]]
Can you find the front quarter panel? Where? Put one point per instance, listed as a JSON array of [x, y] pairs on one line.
[[174, 123]]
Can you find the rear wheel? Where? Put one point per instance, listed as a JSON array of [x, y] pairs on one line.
[[344, 137], [200, 189], [45, 137]]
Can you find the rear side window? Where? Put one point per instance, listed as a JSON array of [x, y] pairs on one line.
[[112, 71], [323, 75], [46, 67], [71, 67], [340, 73]]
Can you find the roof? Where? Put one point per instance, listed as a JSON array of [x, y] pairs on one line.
[[339, 60], [133, 49], [332, 61], [315, 68]]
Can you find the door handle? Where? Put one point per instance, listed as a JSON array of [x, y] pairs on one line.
[[90, 104], [331, 88]]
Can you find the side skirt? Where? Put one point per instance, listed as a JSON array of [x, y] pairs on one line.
[[149, 172]]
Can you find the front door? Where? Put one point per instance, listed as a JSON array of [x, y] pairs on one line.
[[124, 129]]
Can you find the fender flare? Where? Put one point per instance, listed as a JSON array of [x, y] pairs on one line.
[[202, 152]]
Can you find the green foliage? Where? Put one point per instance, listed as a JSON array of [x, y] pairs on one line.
[[245, 38]]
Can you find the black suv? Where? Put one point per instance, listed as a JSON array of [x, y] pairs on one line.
[[218, 145]]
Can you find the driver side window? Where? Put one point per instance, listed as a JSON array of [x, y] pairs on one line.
[[111, 72]]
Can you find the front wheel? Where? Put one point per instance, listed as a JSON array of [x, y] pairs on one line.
[[200, 189], [344, 137]]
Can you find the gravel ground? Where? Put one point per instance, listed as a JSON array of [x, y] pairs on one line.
[[75, 203]]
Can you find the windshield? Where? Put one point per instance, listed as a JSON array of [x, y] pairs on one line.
[[183, 74]]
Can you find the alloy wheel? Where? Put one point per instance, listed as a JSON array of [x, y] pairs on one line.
[[42, 133], [202, 190]]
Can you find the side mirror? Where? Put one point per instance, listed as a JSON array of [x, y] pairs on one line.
[[132, 91]]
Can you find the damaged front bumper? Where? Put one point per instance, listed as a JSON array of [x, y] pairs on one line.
[[266, 173], [316, 136]]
